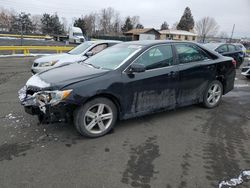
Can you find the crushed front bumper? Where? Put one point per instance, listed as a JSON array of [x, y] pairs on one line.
[[47, 113]]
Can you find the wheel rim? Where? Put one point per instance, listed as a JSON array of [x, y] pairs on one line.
[[214, 94], [98, 118]]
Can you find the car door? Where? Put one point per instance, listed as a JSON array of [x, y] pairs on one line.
[[154, 89], [195, 72]]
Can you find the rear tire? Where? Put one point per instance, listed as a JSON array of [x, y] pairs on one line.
[[213, 94], [96, 118]]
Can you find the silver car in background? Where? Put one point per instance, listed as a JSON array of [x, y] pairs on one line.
[[78, 54]]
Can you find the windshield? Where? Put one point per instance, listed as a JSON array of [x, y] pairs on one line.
[[211, 46], [78, 34], [113, 57], [81, 48]]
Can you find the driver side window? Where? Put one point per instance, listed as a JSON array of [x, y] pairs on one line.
[[157, 57]]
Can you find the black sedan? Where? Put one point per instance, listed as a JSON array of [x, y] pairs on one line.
[[229, 50], [128, 80]]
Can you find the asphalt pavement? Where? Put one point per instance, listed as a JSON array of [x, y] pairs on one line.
[[191, 147]]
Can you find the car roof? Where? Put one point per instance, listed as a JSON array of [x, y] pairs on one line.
[[105, 41], [154, 42]]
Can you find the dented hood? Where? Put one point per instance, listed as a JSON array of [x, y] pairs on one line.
[[62, 76]]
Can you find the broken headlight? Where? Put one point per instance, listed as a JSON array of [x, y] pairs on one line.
[[52, 97]]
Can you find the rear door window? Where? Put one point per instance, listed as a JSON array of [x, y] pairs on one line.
[[231, 48], [188, 53]]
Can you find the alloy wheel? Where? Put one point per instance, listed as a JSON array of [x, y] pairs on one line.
[[98, 118], [214, 94]]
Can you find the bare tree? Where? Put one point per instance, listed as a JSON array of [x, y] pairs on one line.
[[117, 23], [205, 27], [135, 20], [174, 26], [6, 17], [36, 21], [106, 19], [65, 24], [91, 23], [223, 34]]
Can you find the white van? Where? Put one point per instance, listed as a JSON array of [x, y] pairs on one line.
[[76, 35]]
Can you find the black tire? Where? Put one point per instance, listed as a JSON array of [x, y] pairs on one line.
[[206, 103], [248, 77], [80, 117]]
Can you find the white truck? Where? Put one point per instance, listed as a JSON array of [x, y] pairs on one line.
[[76, 35]]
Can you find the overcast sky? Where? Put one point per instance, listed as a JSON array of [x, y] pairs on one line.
[[152, 12]]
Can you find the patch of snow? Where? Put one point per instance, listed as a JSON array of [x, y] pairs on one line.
[[243, 177], [22, 55], [241, 85], [15, 38]]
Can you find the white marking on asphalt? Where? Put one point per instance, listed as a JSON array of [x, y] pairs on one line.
[[241, 85]]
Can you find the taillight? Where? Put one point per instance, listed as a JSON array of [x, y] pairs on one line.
[[234, 63]]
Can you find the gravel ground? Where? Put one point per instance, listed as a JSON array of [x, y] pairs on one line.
[[190, 147]]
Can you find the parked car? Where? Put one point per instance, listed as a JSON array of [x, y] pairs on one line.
[[242, 47], [229, 50], [245, 71], [80, 53], [128, 80]]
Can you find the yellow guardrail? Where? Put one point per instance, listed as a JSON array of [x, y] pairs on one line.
[[248, 51], [26, 49]]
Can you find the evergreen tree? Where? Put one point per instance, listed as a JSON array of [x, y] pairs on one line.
[[80, 22], [51, 24], [22, 23], [187, 22], [128, 25], [164, 26]]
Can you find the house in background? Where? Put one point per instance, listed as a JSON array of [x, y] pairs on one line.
[[178, 35], [143, 34]]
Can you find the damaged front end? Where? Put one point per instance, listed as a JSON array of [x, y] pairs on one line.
[[50, 106]]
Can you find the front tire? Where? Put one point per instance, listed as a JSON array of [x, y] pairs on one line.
[[213, 94], [96, 118]]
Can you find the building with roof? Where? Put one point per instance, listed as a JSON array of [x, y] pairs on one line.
[[178, 35], [135, 34]]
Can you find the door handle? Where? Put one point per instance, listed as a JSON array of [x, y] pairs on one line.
[[172, 74]]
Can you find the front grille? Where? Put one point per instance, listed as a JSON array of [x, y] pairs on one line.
[[31, 90], [245, 69], [35, 64]]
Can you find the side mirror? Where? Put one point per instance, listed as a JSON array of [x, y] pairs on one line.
[[89, 54], [136, 67]]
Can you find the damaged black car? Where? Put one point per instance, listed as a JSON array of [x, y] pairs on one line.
[[128, 80]]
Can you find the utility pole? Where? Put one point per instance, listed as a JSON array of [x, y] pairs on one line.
[[232, 34], [21, 33]]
